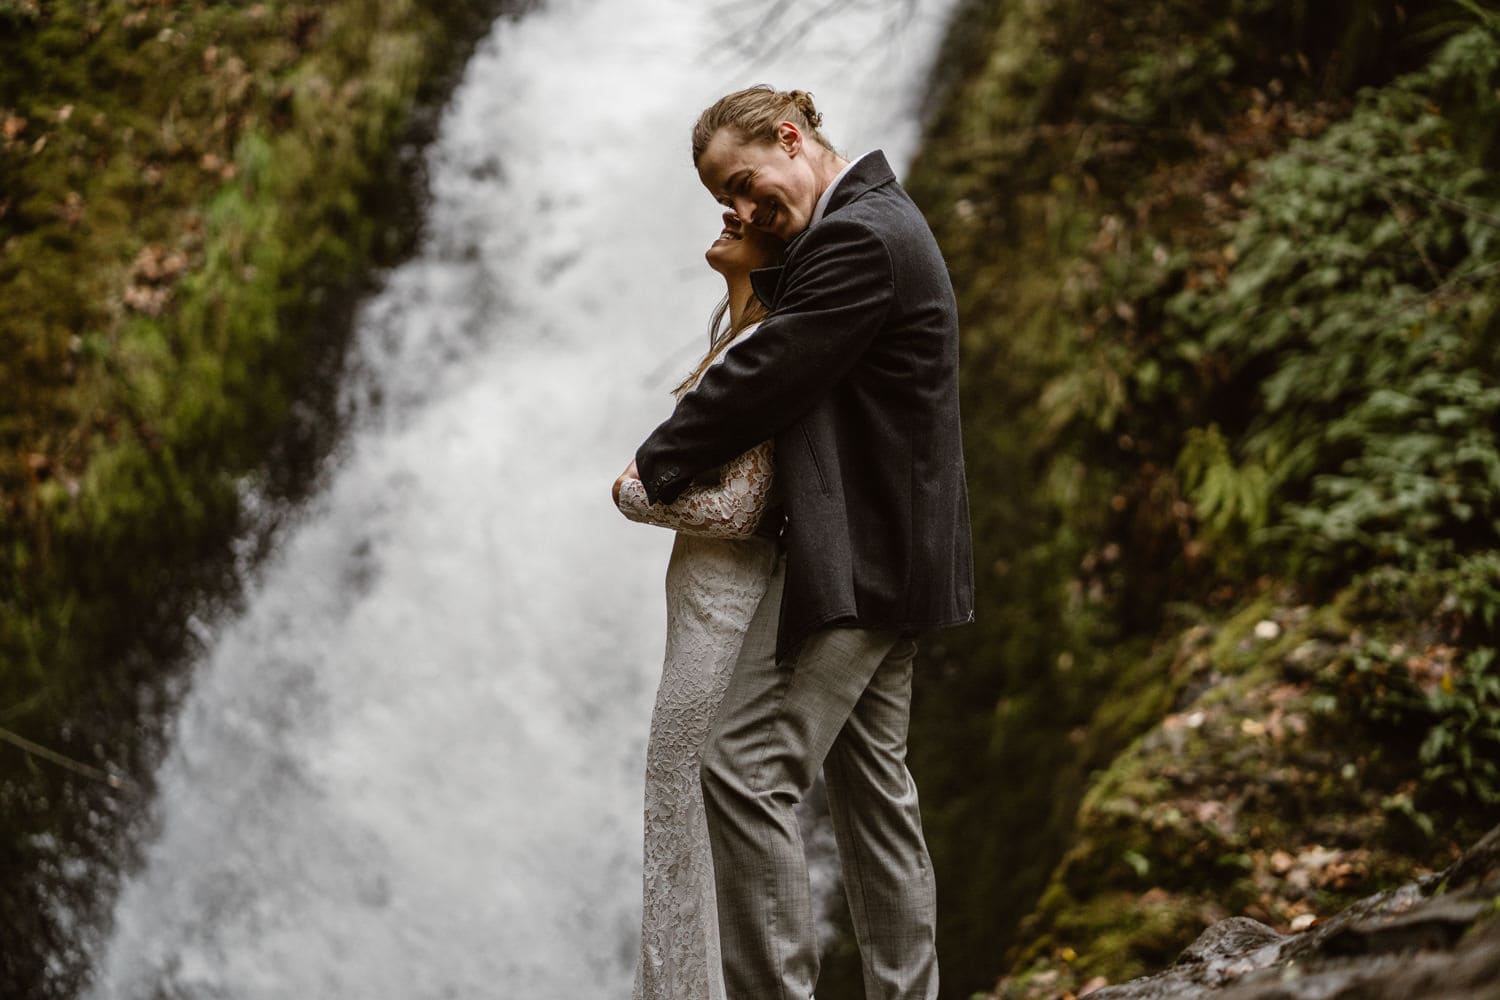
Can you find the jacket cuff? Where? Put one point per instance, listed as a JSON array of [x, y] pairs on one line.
[[663, 485]]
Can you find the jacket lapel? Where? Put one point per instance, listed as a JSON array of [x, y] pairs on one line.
[[765, 281], [869, 173]]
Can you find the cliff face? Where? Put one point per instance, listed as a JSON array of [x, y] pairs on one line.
[[191, 196], [1228, 278]]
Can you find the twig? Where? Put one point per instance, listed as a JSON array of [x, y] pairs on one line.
[[1432, 271], [37, 750]]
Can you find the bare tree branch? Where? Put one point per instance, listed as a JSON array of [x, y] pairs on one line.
[[768, 29]]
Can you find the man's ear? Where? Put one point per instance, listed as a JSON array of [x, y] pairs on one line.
[[789, 137]]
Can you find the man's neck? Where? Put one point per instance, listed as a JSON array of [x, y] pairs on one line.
[[831, 165], [841, 168]]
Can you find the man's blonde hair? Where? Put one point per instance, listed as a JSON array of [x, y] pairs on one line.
[[754, 113]]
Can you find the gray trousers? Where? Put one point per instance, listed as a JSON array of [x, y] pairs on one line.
[[842, 703]]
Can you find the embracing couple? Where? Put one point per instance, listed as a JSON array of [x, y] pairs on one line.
[[813, 472]]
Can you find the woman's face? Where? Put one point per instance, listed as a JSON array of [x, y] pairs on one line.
[[742, 248]]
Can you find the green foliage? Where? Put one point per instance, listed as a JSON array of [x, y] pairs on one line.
[[1365, 285], [1348, 418], [1262, 793], [1484, 15], [187, 200], [1449, 701], [1361, 315], [1462, 747], [1224, 324], [1230, 499]]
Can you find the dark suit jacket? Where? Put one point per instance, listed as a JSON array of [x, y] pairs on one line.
[[855, 374]]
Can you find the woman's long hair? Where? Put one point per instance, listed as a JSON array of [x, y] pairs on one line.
[[721, 334]]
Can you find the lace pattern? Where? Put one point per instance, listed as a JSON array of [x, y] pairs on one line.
[[716, 578], [731, 509], [713, 588]]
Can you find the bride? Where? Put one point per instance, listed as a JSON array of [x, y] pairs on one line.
[[720, 571]]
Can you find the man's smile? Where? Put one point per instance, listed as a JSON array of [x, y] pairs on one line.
[[765, 220]]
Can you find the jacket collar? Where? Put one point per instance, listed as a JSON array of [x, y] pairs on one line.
[[868, 172]]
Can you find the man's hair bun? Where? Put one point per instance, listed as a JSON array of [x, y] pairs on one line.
[[803, 102]]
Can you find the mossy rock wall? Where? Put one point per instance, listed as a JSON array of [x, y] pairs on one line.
[[1228, 297]]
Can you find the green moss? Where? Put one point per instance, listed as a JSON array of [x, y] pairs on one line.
[[1087, 175], [1259, 796], [184, 184]]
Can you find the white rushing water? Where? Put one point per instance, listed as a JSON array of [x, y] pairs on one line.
[[411, 767]]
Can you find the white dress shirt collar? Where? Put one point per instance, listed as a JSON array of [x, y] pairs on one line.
[[822, 205]]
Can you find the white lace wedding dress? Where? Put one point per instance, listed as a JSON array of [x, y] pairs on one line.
[[717, 575]]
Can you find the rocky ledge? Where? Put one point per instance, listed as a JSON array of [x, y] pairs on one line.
[[1437, 938]]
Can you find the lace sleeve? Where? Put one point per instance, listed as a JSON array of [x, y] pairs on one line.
[[731, 509]]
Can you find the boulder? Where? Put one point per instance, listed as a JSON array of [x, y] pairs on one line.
[[1436, 939]]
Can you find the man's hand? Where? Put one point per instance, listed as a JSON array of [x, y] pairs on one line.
[[630, 473]]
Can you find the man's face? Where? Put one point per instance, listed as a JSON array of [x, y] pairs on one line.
[[771, 185]]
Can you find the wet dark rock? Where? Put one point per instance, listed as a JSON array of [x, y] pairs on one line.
[[1234, 938], [1437, 938]]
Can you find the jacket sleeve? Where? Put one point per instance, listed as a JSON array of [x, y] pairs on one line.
[[732, 508], [836, 293]]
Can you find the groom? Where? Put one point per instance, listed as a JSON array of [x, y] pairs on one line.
[[855, 375]]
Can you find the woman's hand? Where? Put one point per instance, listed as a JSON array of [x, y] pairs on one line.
[[630, 473]]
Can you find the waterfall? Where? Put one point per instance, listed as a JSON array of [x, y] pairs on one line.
[[411, 765]]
